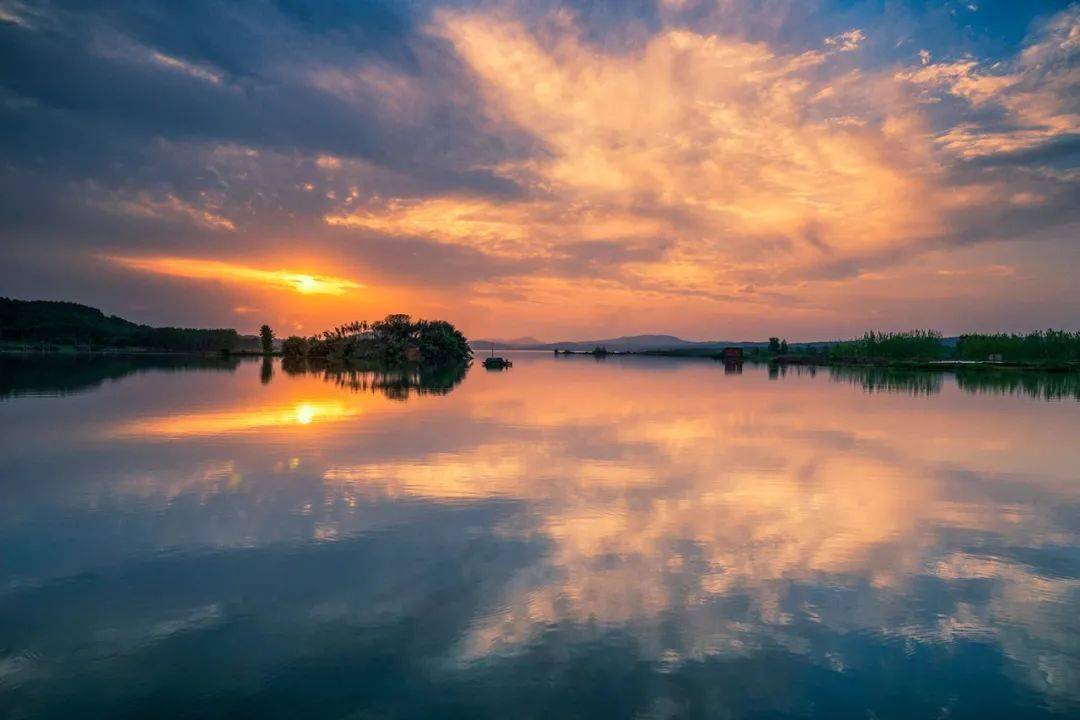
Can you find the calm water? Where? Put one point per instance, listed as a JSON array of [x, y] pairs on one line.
[[571, 538]]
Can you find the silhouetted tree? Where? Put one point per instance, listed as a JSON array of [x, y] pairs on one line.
[[440, 342], [393, 335], [394, 340], [266, 337], [294, 347], [911, 345], [774, 345], [1048, 346]]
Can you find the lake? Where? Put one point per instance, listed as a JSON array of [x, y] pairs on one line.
[[630, 537]]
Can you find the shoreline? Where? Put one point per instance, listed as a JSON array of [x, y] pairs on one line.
[[811, 361], [780, 360]]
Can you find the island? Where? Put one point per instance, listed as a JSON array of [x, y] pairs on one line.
[[394, 340]]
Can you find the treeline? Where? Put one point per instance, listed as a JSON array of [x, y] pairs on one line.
[[394, 340], [912, 345], [1049, 346], [65, 323]]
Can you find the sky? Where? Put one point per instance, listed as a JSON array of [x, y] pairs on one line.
[[715, 169]]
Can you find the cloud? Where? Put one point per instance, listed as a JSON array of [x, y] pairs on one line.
[[183, 66], [170, 207], [755, 164], [197, 269], [672, 155], [703, 139], [846, 41], [1031, 97], [20, 14]]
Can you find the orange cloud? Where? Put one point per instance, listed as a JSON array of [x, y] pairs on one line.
[[517, 230], [737, 164], [722, 147], [307, 284]]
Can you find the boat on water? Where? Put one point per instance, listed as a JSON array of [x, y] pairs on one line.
[[494, 362]]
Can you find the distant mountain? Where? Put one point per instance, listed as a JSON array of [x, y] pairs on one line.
[[642, 343], [518, 343], [632, 343]]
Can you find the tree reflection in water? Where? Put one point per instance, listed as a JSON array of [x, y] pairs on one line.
[[992, 381], [396, 383], [57, 375]]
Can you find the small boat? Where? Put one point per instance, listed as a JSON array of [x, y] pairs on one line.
[[494, 362]]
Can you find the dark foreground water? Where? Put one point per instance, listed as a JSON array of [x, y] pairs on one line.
[[571, 538]]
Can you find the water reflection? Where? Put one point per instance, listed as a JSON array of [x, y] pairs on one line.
[[224, 422], [890, 380], [397, 383], [633, 537], [266, 373], [56, 375], [1047, 386], [1004, 381]]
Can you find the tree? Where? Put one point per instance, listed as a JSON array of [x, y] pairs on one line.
[[783, 346], [394, 334], [266, 337], [774, 345], [294, 347], [440, 342], [394, 340]]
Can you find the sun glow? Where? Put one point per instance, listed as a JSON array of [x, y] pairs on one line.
[[305, 413], [228, 422], [307, 284], [199, 269]]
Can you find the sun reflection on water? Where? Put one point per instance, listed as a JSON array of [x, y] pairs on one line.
[[225, 422]]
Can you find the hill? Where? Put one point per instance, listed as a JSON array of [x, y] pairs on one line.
[[67, 323]]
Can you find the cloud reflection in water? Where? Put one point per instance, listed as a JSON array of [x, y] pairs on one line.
[[650, 510]]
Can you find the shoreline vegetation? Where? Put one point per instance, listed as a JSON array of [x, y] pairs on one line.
[[394, 340], [70, 329], [34, 326], [66, 328], [1048, 351]]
